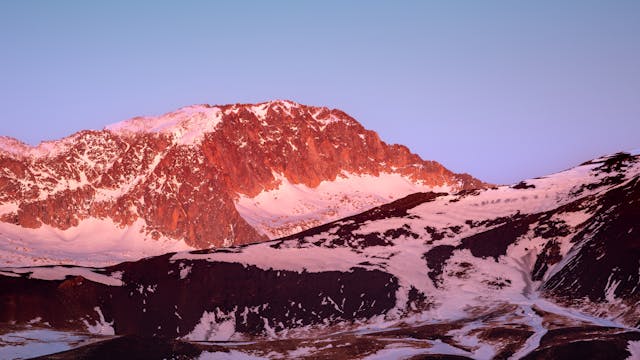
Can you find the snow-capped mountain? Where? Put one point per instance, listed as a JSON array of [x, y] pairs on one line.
[[548, 268], [198, 177]]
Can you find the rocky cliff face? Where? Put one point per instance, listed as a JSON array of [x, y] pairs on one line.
[[181, 175]]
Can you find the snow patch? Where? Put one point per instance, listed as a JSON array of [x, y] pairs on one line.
[[402, 351], [187, 125], [213, 326], [94, 242], [37, 342], [301, 352], [61, 272], [184, 271], [260, 110], [295, 207], [634, 349], [313, 259], [101, 327]]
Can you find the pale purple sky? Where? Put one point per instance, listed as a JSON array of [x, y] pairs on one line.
[[504, 90]]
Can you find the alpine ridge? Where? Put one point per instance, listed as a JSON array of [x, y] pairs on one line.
[[202, 176]]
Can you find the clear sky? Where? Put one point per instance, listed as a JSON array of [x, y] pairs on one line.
[[504, 90]]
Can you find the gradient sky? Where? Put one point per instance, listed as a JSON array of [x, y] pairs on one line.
[[504, 90]]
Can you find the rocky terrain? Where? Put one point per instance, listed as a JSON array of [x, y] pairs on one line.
[[202, 176], [544, 269]]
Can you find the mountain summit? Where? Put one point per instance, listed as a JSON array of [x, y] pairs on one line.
[[199, 177]]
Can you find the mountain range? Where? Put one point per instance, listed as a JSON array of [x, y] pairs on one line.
[[387, 256], [202, 176]]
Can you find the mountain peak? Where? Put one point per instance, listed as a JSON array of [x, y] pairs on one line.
[[284, 102], [186, 124], [189, 124], [12, 146], [210, 175]]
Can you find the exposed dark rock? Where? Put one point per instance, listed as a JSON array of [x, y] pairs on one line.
[[405, 230], [435, 234], [436, 258], [346, 229], [154, 303], [548, 229], [584, 343], [494, 222], [616, 163], [494, 242], [522, 185], [608, 253], [549, 256], [417, 301]]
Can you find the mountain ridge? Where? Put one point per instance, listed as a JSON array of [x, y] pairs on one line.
[[200, 176]]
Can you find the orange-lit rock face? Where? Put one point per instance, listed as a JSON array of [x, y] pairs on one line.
[[181, 173]]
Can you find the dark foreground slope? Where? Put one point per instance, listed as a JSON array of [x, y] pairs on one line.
[[547, 268]]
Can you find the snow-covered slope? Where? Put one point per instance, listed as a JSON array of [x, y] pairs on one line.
[[522, 271], [291, 208], [202, 176], [94, 242]]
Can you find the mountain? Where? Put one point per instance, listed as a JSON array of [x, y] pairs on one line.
[[548, 268], [198, 177]]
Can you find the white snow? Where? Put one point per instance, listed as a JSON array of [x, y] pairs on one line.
[[634, 348], [184, 271], [9, 274], [324, 122], [533, 342], [300, 352], [213, 326], [13, 146], [295, 207], [8, 208], [95, 242], [314, 259], [30, 343], [549, 306], [187, 125], [549, 193], [403, 351], [60, 273], [260, 110], [101, 327]]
